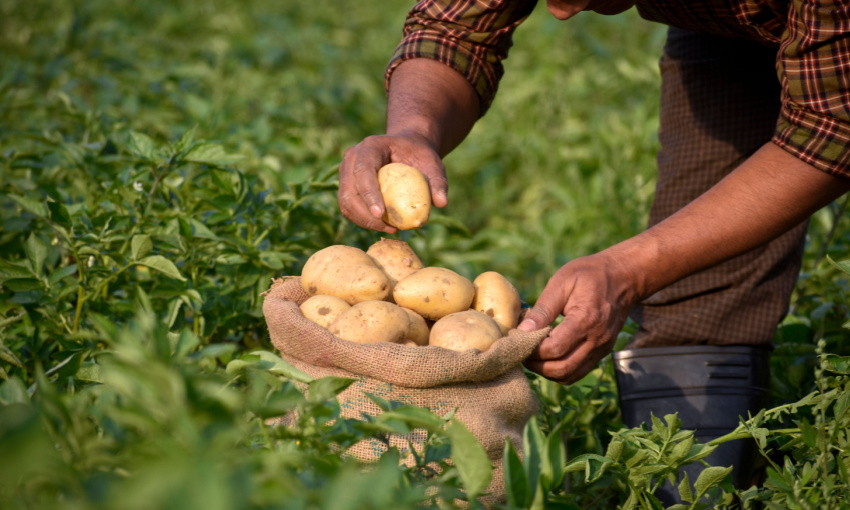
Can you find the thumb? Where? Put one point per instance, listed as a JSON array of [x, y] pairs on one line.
[[545, 311]]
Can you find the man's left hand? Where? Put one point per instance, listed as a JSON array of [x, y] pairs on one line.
[[594, 295]]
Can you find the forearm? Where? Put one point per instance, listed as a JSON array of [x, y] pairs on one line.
[[767, 195], [431, 100]]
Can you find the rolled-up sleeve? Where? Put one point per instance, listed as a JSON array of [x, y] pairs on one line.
[[814, 69], [472, 37]]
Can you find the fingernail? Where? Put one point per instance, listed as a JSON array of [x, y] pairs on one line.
[[527, 325], [376, 211]]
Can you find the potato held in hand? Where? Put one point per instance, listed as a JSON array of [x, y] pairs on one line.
[[406, 194], [434, 292], [495, 296], [462, 331], [371, 322], [347, 273], [323, 310]]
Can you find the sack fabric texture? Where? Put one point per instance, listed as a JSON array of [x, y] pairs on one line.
[[491, 393]]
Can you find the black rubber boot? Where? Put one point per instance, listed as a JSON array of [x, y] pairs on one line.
[[709, 387]]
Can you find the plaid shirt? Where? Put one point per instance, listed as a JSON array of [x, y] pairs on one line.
[[812, 38]]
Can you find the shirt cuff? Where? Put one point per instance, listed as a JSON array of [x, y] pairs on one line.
[[482, 75], [819, 140]]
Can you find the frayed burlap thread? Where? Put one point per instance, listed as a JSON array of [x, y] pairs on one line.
[[489, 389]]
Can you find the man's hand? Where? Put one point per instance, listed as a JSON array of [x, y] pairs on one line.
[[430, 109], [594, 295], [359, 195]]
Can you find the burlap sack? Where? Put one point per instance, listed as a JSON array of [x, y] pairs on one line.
[[489, 389]]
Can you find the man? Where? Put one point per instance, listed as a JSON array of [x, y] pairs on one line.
[[754, 132]]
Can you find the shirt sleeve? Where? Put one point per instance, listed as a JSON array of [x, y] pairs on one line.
[[472, 37], [814, 69]]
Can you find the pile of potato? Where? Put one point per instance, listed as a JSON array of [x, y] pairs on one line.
[[385, 294]]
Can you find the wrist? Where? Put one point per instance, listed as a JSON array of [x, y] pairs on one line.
[[418, 136], [633, 264]]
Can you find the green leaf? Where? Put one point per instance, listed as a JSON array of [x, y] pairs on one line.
[[186, 140], [596, 467], [699, 451], [841, 405], [615, 449], [9, 356], [416, 417], [517, 489], [451, 223], [710, 477], [270, 362], [35, 207], [775, 479], [681, 450], [13, 391], [533, 443], [201, 230], [658, 427], [212, 154], [23, 284], [277, 366], [162, 265], [142, 146], [10, 270], [470, 458], [36, 252], [231, 259], [837, 364], [59, 213], [186, 343], [141, 245], [685, 489], [326, 388], [382, 403], [810, 433], [555, 458], [61, 273], [90, 372], [275, 259]]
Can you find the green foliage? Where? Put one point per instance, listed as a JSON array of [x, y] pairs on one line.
[[156, 423]]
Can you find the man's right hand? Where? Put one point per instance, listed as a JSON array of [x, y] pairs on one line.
[[360, 197]]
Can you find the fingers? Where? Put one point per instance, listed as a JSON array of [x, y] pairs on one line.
[[435, 173], [570, 352], [549, 305], [571, 368], [364, 168], [359, 195]]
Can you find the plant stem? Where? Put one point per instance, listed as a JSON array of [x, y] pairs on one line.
[[81, 299], [836, 218]]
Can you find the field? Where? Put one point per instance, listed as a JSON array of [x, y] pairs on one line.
[[161, 162]]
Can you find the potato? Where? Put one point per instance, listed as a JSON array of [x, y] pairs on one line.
[[396, 258], [407, 196], [466, 330], [372, 321], [419, 330], [434, 292], [323, 309], [347, 273], [495, 296]]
